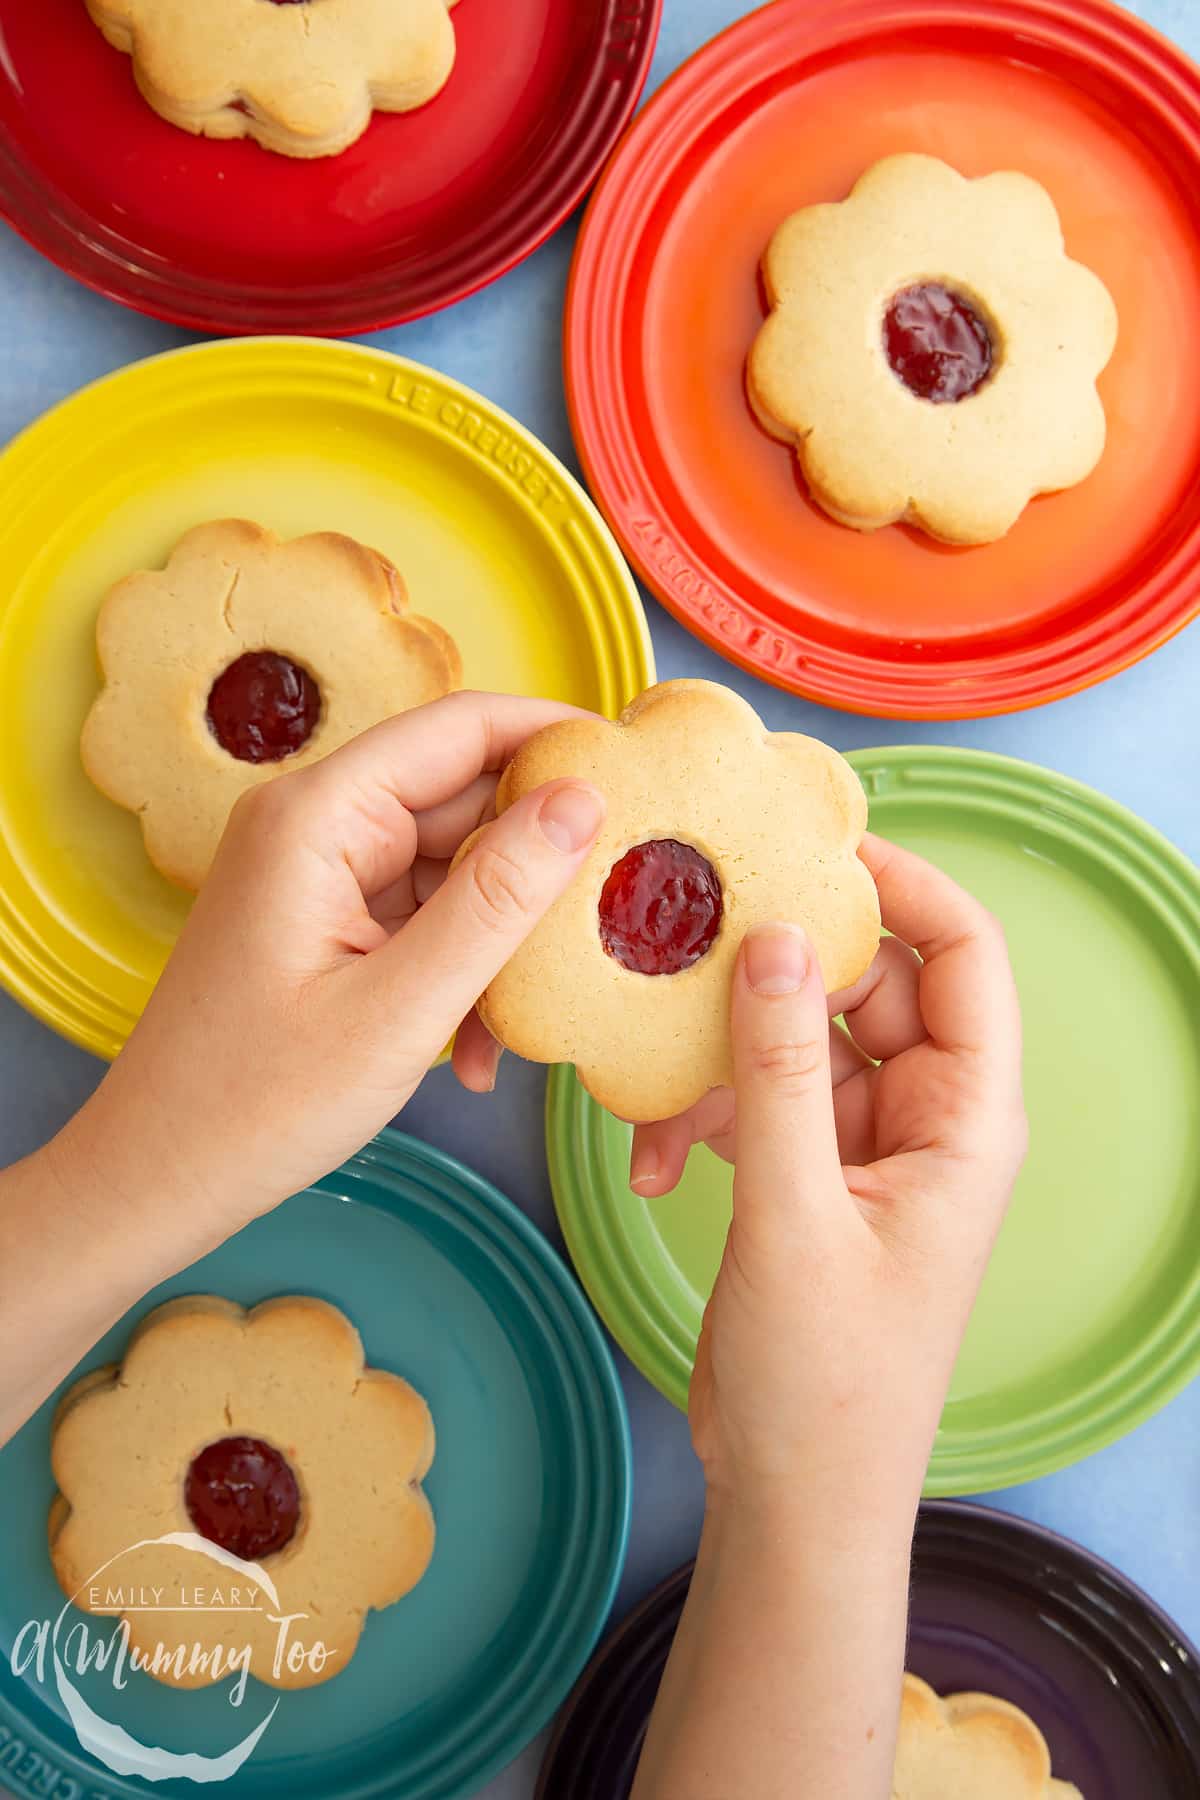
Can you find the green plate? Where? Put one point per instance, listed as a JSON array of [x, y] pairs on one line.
[[1089, 1319]]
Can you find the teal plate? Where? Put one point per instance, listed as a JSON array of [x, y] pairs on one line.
[[452, 1287]]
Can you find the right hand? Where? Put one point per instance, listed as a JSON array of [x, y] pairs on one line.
[[873, 1168]]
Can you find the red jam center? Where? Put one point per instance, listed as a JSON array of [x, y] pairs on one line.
[[242, 1495], [660, 908], [936, 343], [263, 707]]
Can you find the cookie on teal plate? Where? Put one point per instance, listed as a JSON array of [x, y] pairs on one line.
[[453, 1288]]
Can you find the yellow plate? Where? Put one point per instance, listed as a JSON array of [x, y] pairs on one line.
[[494, 538]]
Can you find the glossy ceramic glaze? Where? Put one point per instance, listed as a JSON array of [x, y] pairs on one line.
[[491, 534], [998, 1607], [1089, 1318], [788, 108], [451, 1287], [424, 208]]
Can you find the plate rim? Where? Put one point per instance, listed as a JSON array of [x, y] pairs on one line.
[[938, 1520], [392, 1157], [610, 450], [70, 1003], [1130, 1392], [24, 209]]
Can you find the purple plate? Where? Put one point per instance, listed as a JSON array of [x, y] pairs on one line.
[[998, 1605]]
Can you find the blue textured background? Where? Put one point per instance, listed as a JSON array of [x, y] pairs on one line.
[[1136, 737]]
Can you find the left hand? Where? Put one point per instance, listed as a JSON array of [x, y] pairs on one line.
[[330, 958]]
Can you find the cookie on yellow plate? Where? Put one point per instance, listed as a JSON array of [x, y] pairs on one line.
[[301, 77], [714, 824], [262, 1436], [970, 1747], [243, 658]]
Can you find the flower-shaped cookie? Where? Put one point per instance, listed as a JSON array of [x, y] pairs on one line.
[[970, 1744], [714, 824], [263, 1434], [931, 351], [299, 76], [244, 657]]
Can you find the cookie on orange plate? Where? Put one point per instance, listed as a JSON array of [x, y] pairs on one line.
[[714, 824], [246, 656], [931, 351], [970, 1744], [301, 77], [248, 1450]]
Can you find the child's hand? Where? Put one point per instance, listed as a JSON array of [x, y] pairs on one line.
[[308, 995], [866, 1201]]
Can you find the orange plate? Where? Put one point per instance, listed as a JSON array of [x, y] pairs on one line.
[[787, 108]]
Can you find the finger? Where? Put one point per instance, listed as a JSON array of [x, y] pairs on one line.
[[396, 904], [428, 755], [356, 805], [393, 906], [427, 877], [476, 1055], [441, 829], [661, 1149], [967, 993], [854, 1113], [431, 973], [845, 1058], [787, 1152], [883, 1009]]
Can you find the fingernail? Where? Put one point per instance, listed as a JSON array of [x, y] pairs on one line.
[[571, 817], [777, 959], [644, 1166], [492, 1069]]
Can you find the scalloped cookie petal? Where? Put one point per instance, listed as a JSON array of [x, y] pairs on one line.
[[289, 1372], [1017, 202], [301, 81], [970, 1743], [818, 375], [332, 606]]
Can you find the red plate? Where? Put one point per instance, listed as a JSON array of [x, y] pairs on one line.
[[788, 108], [423, 210]]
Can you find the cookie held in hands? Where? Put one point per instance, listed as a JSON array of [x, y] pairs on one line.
[[931, 351], [714, 825], [301, 77], [970, 1744], [245, 657], [263, 1434]]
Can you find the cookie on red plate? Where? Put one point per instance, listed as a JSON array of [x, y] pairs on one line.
[[298, 76], [932, 351]]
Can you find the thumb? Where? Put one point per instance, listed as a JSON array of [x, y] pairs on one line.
[[787, 1151], [506, 879]]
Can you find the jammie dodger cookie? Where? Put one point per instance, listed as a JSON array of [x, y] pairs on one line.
[[970, 1744], [714, 824], [931, 351], [243, 658], [263, 1435], [299, 76]]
